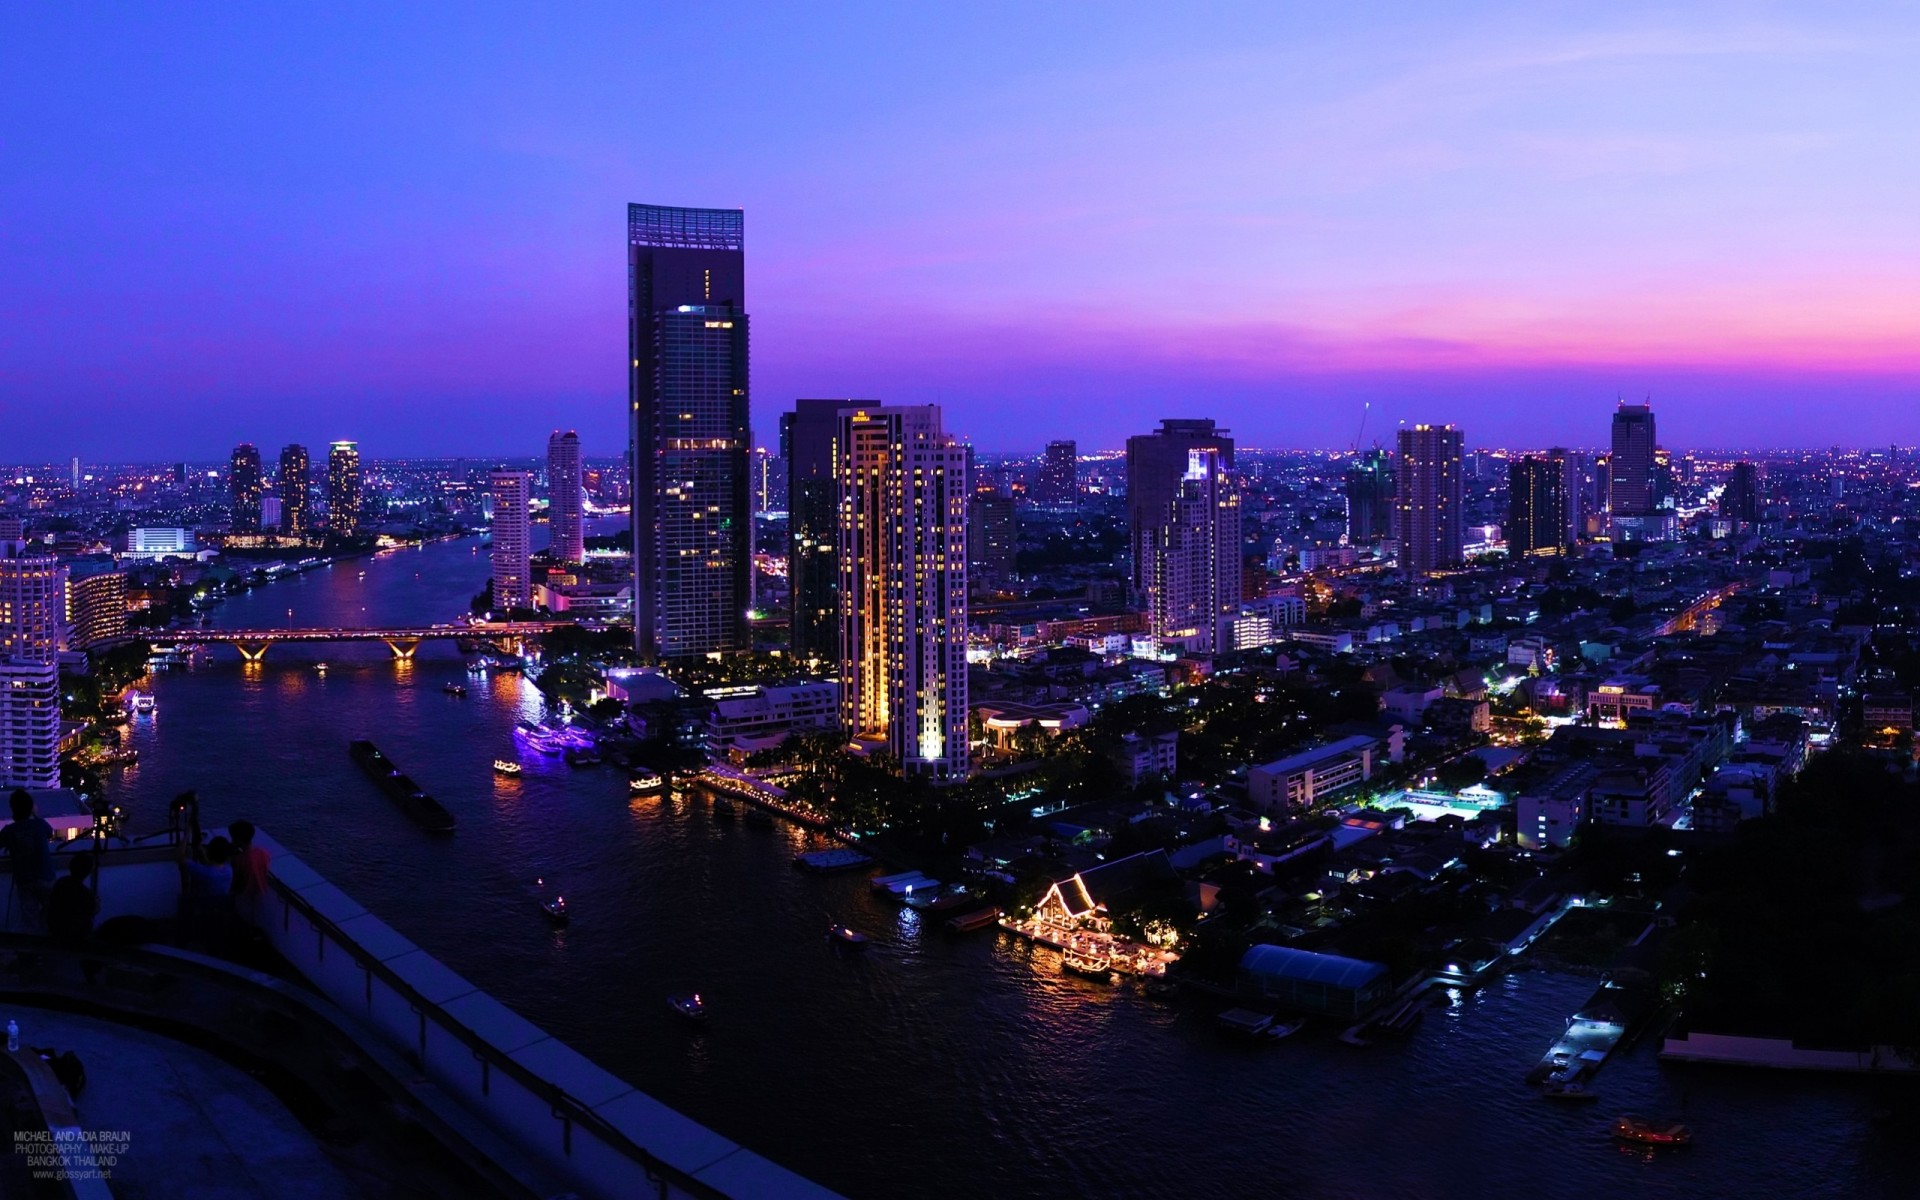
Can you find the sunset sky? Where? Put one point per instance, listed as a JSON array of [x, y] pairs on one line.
[[1060, 221]]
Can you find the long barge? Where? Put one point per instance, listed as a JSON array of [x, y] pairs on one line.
[[426, 812]]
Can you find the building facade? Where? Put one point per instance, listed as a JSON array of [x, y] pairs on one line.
[[689, 435], [512, 539], [1630, 465], [1369, 489], [33, 603], [296, 491], [992, 538], [566, 498], [97, 609], [903, 587], [1740, 500], [807, 438], [245, 487], [1059, 478], [1429, 498], [1304, 779], [1183, 508], [29, 723], [345, 498], [1542, 509]]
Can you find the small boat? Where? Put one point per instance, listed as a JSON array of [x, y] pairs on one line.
[[1087, 966], [143, 702], [970, 921], [476, 669], [556, 909], [1244, 1022], [455, 689], [1283, 1029], [644, 780], [724, 809], [320, 668], [688, 1005], [1652, 1133], [1567, 1090], [848, 939], [505, 766], [582, 758]]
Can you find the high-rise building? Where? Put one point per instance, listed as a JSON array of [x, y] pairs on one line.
[[33, 603], [245, 487], [903, 586], [29, 723], [1630, 482], [1429, 498], [345, 501], [692, 503], [296, 487], [769, 480], [1740, 499], [1541, 504], [807, 437], [512, 492], [97, 608], [992, 538], [1059, 481], [1183, 510], [566, 498], [1369, 486]]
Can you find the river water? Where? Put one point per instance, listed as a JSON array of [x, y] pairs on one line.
[[933, 1066]]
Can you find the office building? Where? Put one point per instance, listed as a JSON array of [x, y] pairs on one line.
[[159, 541], [1740, 500], [992, 538], [29, 723], [692, 507], [296, 485], [813, 567], [566, 498], [903, 587], [769, 480], [1059, 479], [33, 603], [97, 609], [1630, 466], [1184, 512], [245, 487], [1369, 488], [345, 499], [1541, 504], [512, 539], [1429, 498]]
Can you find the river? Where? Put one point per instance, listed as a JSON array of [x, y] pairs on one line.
[[933, 1066]]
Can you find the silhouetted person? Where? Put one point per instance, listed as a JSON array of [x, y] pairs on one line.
[[29, 846], [206, 891], [249, 870], [71, 907]]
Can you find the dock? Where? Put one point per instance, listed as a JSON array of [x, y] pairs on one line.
[[1616, 1010]]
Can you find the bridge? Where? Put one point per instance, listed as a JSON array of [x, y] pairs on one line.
[[403, 641]]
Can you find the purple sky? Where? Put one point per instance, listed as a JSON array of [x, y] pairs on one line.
[[406, 227]]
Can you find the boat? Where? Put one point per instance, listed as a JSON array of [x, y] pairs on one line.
[[455, 689], [320, 668], [688, 1005], [951, 900], [505, 766], [1283, 1029], [848, 939], [1652, 1133], [556, 910], [881, 883], [1087, 966], [840, 858], [1159, 987], [643, 780], [724, 809], [142, 702], [979, 918], [1244, 1022], [1567, 1091], [582, 758], [424, 809]]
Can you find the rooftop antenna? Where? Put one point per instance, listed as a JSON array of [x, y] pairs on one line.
[[1364, 407]]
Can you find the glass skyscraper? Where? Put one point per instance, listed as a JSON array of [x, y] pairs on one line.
[[344, 498], [692, 501], [1428, 498]]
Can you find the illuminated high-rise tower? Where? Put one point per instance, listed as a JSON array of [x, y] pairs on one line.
[[245, 487], [1059, 481], [813, 525], [1429, 497], [902, 539], [687, 404], [296, 487], [512, 493], [345, 502], [566, 497], [1630, 466], [1542, 503], [1184, 510]]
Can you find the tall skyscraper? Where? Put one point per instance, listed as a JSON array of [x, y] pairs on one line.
[[97, 608], [1540, 504], [33, 603], [296, 491], [512, 492], [692, 507], [1740, 500], [1059, 481], [245, 487], [992, 537], [807, 437], [1184, 512], [903, 586], [1428, 498], [345, 502], [29, 723], [1630, 482], [1369, 486], [566, 497]]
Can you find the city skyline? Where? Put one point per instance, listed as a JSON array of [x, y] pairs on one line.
[[1618, 207]]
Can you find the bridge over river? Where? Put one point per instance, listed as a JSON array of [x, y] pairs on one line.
[[402, 640]]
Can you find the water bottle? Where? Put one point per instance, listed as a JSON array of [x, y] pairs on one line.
[[13, 1036]]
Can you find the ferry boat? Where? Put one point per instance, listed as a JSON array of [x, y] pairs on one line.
[[969, 921], [1284, 1029], [1087, 966], [424, 809], [556, 910], [505, 766], [848, 939], [1652, 1133], [455, 689], [643, 780], [581, 758], [688, 1005], [141, 702], [320, 668]]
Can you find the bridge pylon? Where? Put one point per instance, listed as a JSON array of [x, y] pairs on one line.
[[252, 652], [402, 648]]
